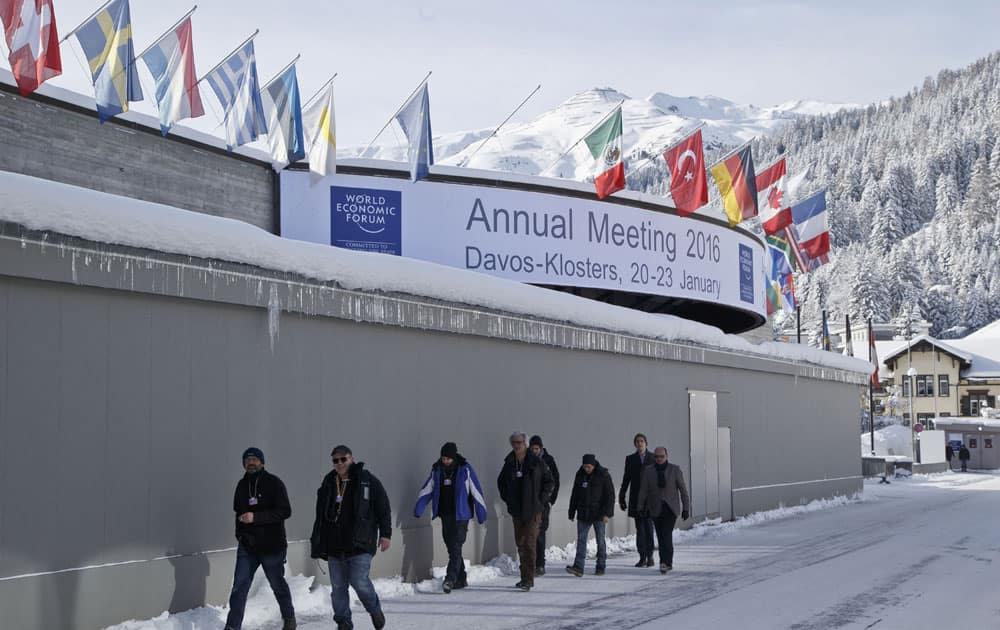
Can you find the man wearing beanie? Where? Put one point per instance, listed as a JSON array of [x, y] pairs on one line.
[[454, 492], [664, 495], [592, 503], [261, 506], [539, 450]]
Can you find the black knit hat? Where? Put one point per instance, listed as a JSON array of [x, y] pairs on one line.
[[449, 450], [535, 439], [253, 451], [590, 458]]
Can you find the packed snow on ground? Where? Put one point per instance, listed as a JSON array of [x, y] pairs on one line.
[[313, 600], [893, 440], [39, 204]]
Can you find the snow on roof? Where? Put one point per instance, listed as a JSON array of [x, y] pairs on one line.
[[947, 347], [984, 348], [988, 423], [39, 204]]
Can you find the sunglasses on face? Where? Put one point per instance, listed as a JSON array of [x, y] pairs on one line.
[[339, 460]]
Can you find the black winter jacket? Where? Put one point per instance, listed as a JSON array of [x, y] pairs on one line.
[[267, 532], [372, 513], [632, 479], [536, 489], [551, 463], [596, 500]]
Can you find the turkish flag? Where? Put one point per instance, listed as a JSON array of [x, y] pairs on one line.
[[30, 29], [688, 182]]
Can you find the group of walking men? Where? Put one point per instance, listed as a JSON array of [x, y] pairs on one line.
[[353, 518]]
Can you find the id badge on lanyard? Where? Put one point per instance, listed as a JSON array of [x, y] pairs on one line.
[[252, 501]]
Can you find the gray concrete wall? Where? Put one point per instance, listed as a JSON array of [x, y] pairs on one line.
[[50, 139], [129, 391]]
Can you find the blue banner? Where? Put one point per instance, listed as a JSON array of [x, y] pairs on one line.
[[366, 219]]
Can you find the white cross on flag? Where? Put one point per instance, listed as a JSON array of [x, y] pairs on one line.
[[30, 29]]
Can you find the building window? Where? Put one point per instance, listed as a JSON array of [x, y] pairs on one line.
[[906, 387], [925, 385], [978, 401], [943, 386]]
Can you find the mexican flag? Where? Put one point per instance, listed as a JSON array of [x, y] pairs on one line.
[[605, 144]]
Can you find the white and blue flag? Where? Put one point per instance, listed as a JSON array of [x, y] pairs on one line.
[[415, 119], [236, 85], [284, 118]]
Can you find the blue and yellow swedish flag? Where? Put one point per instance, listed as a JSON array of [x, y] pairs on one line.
[[106, 39]]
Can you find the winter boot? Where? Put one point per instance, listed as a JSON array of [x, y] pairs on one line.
[[599, 571], [649, 561], [289, 624], [572, 569], [378, 620], [664, 567], [540, 570], [447, 585], [641, 563], [461, 582]]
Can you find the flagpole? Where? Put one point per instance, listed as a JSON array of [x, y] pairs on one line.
[[389, 122], [297, 57], [591, 130], [733, 152], [80, 25], [167, 32], [319, 91], [871, 387], [488, 138], [226, 58], [798, 324], [669, 148]]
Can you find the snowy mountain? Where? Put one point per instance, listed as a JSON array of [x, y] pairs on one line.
[[650, 125], [914, 204]]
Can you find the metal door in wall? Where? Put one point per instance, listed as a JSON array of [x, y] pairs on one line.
[[988, 458], [704, 484], [725, 473], [974, 442]]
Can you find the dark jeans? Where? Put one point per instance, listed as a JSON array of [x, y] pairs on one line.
[[965, 464], [352, 570], [582, 531], [526, 537], [644, 536], [246, 566], [454, 533], [540, 544], [664, 524]]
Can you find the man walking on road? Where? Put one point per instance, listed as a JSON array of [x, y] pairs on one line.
[[592, 503], [540, 451], [261, 506], [631, 481], [664, 495], [353, 519], [525, 485], [963, 456], [454, 492]]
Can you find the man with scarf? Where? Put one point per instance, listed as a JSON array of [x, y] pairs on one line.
[[454, 491], [663, 494]]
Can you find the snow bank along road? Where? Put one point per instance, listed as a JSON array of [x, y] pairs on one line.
[[915, 554]]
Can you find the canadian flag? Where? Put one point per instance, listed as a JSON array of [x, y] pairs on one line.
[[30, 28]]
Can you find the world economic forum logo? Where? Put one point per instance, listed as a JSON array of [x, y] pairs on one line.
[[366, 219], [746, 274]]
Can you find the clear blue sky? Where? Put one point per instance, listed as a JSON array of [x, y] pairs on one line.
[[486, 56]]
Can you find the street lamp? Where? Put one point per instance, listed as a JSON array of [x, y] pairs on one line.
[[910, 373]]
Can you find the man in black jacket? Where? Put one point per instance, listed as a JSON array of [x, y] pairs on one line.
[[539, 450], [353, 518], [592, 503], [261, 506], [631, 481], [525, 485]]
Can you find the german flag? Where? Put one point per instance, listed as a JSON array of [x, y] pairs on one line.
[[737, 184]]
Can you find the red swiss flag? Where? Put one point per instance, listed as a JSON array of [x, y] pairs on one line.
[[30, 29], [688, 182]]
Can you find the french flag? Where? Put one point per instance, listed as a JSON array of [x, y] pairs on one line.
[[813, 230], [171, 62]]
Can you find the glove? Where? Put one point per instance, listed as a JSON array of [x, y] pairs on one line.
[[684, 515], [623, 505], [571, 517]]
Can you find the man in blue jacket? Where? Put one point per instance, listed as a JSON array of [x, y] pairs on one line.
[[454, 492]]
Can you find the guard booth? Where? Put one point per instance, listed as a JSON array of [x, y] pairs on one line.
[[980, 435]]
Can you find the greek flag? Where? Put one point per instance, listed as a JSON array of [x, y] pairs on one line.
[[106, 40], [415, 119], [236, 85], [284, 118]]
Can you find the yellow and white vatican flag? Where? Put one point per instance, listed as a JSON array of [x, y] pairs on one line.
[[321, 134]]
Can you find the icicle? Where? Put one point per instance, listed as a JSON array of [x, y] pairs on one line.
[[273, 313]]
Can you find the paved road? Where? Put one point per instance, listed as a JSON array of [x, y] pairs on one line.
[[914, 554]]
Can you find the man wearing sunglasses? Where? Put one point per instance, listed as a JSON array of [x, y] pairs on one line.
[[525, 485], [664, 495], [353, 519]]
